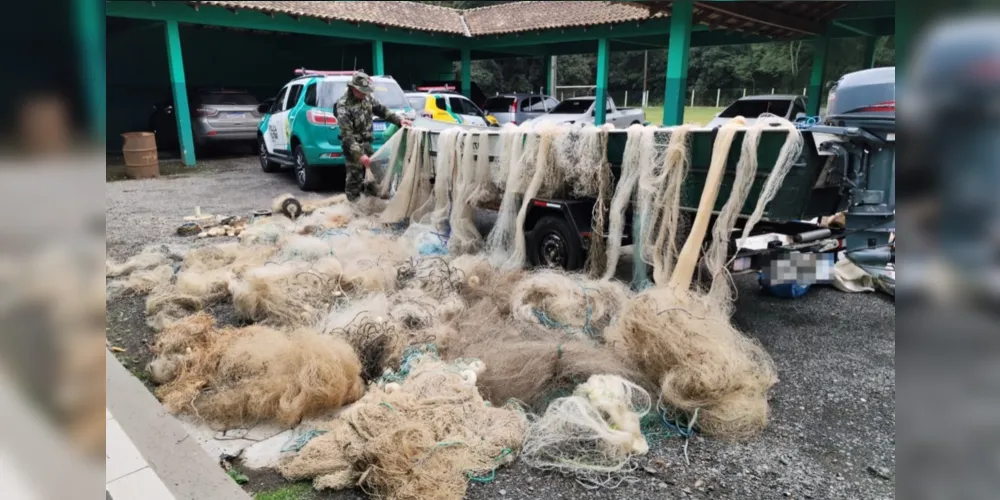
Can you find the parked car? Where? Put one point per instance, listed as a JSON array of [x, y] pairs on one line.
[[581, 109], [216, 116], [447, 106], [299, 128], [518, 108], [477, 95], [750, 107]]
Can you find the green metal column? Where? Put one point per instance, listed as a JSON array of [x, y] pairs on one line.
[[90, 37], [467, 73], [905, 20], [378, 58], [179, 86], [677, 62], [820, 46], [600, 106], [548, 76], [869, 53]]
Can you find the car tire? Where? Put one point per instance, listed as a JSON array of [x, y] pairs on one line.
[[265, 160], [307, 177], [553, 243]]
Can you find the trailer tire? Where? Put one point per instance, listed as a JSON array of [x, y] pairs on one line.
[[553, 243]]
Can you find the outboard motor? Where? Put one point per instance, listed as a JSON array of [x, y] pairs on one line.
[[864, 105]]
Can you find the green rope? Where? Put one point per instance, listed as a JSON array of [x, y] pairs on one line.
[[493, 472]]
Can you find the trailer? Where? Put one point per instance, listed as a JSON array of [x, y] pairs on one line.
[[852, 170]]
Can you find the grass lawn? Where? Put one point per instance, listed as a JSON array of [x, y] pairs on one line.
[[696, 115]]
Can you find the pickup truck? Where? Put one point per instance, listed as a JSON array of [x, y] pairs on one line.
[[581, 109]]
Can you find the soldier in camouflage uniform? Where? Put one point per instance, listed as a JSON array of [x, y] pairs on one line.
[[354, 114]]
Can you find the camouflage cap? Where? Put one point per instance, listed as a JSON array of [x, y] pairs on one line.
[[361, 82]]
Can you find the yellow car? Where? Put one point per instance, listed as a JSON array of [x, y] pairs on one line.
[[444, 104]]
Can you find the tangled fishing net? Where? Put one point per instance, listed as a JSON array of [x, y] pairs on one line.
[[456, 354], [238, 377], [592, 433], [422, 432], [575, 305]]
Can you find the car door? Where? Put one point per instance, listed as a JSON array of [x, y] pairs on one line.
[[277, 120], [536, 106], [467, 111]]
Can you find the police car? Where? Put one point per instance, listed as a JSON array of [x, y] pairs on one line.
[[300, 130]]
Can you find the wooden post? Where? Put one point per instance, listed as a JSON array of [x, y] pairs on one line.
[[467, 72], [378, 58]]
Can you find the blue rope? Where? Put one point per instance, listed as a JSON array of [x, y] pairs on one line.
[[588, 328], [807, 121]]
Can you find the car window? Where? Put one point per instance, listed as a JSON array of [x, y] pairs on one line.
[[499, 104], [311, 94], [550, 103], [468, 107], [753, 108], [440, 103], [573, 106], [279, 101], [226, 99], [525, 104], [386, 92], [416, 102], [536, 105], [293, 96]]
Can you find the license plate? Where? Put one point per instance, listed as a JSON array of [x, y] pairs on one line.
[[237, 116], [379, 126]]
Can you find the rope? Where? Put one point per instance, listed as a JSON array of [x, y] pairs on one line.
[[493, 472]]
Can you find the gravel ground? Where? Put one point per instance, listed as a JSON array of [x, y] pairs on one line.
[[832, 433]]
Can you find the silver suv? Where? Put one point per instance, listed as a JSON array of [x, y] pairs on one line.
[[216, 116], [518, 108]]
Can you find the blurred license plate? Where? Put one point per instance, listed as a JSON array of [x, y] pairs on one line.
[[379, 126], [237, 116]]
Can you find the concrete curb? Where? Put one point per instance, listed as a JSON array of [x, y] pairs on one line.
[[181, 464]]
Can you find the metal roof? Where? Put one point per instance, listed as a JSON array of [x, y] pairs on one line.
[[781, 19]]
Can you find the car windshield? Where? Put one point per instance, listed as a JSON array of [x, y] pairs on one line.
[[387, 92], [227, 99], [416, 101], [753, 108], [499, 104], [572, 107]]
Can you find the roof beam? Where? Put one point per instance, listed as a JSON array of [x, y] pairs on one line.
[[763, 15], [850, 27], [867, 10], [249, 19]]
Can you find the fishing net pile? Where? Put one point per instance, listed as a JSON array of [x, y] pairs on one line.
[[456, 357], [420, 432]]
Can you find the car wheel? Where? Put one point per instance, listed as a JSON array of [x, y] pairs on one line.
[[552, 243], [307, 177], [265, 162]]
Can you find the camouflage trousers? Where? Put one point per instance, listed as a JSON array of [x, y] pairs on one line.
[[355, 183]]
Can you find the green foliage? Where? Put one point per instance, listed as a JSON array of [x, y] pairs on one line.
[[238, 476], [296, 491]]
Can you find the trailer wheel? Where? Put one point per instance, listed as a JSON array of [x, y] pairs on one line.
[[552, 243]]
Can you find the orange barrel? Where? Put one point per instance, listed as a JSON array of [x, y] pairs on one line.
[[141, 161]]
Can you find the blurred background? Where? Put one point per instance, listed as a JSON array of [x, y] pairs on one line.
[[52, 137]]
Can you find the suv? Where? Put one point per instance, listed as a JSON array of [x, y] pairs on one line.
[[300, 129], [216, 116], [518, 108]]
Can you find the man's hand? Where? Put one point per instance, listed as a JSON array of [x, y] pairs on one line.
[[406, 123], [366, 161]]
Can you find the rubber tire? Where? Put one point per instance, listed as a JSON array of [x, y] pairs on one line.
[[265, 163], [307, 177], [574, 257]]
